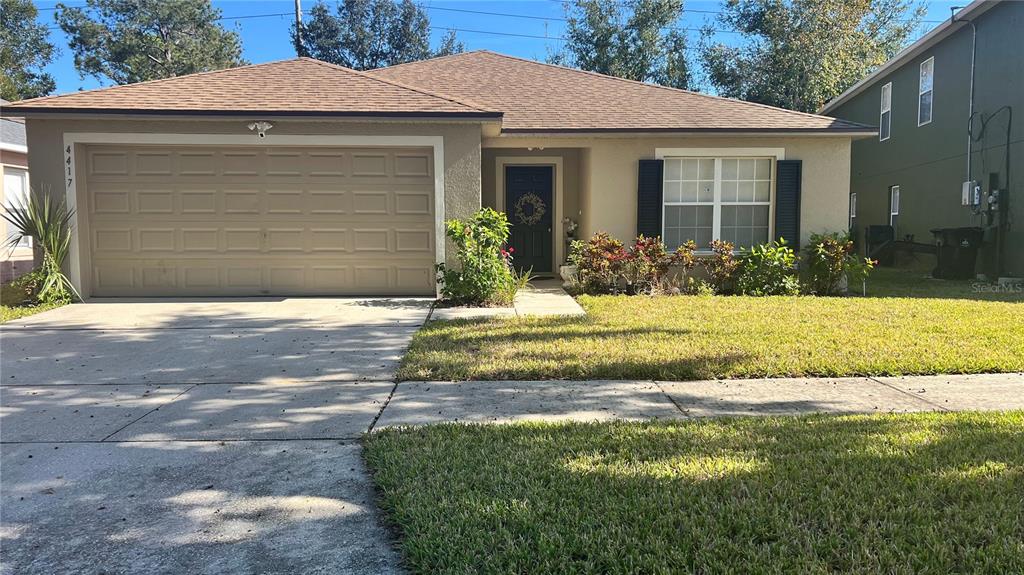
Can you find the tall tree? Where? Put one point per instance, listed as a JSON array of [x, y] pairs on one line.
[[136, 40], [368, 34], [637, 39], [25, 49], [799, 54]]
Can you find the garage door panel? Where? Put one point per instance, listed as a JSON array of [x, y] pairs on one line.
[[260, 221]]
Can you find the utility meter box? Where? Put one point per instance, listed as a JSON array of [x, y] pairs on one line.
[[970, 194]]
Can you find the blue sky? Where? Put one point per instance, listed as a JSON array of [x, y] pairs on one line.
[[265, 38]]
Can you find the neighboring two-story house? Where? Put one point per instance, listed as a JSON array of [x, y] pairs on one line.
[[14, 260], [913, 175]]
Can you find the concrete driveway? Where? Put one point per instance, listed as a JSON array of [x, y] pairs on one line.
[[214, 436]]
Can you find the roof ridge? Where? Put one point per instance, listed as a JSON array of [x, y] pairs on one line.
[[658, 86], [433, 59], [147, 82], [390, 82]]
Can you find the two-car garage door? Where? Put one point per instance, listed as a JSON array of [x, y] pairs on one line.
[[181, 221]]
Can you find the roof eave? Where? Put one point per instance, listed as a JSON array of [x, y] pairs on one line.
[[23, 112], [844, 131]]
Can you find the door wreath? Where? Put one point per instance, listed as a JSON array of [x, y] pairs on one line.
[[538, 211]]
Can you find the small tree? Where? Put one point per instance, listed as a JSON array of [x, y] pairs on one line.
[[138, 40], [802, 53], [48, 223], [368, 34], [637, 40], [25, 49]]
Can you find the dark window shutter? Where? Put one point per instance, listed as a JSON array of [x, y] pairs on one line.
[[648, 197], [787, 202]]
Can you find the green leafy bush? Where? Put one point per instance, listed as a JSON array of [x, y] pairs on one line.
[[721, 266], [48, 223], [768, 269], [485, 275], [828, 259]]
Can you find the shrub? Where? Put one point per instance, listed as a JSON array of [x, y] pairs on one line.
[[48, 223], [599, 262], [768, 269], [485, 275], [828, 259], [22, 289], [604, 265], [721, 266]]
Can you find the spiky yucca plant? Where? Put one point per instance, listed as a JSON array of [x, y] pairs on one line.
[[48, 223]]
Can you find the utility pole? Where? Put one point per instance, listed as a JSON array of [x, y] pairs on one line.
[[299, 49]]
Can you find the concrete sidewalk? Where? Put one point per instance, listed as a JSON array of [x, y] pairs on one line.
[[543, 298], [419, 403]]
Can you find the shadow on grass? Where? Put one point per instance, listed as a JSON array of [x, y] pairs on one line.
[[925, 493]]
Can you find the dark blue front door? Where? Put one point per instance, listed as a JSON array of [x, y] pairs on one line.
[[528, 194]]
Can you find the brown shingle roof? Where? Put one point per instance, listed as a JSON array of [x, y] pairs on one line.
[[538, 97], [299, 86]]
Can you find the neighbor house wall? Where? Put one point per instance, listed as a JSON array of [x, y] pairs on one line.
[[608, 175], [13, 261], [929, 162], [461, 147]]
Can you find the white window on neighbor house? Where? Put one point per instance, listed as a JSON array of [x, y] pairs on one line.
[[885, 115], [717, 198], [894, 204], [853, 210], [16, 196], [925, 92]]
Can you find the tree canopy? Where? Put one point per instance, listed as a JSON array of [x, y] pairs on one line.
[[368, 34], [130, 41], [637, 39], [25, 49], [799, 54]]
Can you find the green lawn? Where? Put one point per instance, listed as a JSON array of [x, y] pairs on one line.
[[10, 312], [945, 327], [923, 493]]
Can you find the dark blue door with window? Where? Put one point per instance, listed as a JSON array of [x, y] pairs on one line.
[[528, 203]]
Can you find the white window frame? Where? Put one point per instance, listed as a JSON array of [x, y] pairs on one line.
[[921, 91], [26, 190], [775, 154], [885, 107], [853, 209], [894, 203]]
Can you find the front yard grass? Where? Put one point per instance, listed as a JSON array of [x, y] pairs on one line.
[[947, 327], [921, 493], [12, 312]]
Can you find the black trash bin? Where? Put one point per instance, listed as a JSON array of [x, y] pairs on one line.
[[957, 252]]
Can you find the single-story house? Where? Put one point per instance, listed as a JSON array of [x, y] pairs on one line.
[[301, 177], [14, 260]]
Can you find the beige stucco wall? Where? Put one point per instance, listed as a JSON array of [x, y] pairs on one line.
[[461, 147], [608, 175]]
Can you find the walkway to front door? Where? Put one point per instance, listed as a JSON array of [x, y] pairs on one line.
[[528, 203]]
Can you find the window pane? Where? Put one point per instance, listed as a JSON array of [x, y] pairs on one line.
[[760, 216], [672, 217], [729, 191], [672, 192], [673, 169], [689, 169], [764, 169], [924, 114], [883, 131], [706, 193], [705, 216], [762, 191], [707, 169], [886, 97], [689, 192], [729, 169], [746, 193], [744, 216], [746, 169], [927, 69], [760, 236]]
